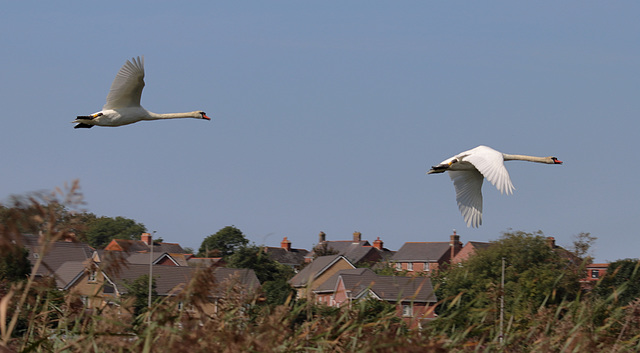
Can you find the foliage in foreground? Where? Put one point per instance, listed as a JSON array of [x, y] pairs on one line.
[[35, 318]]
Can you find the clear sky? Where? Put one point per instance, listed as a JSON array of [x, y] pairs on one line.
[[326, 115]]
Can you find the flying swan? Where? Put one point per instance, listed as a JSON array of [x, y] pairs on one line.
[[468, 169], [123, 101]]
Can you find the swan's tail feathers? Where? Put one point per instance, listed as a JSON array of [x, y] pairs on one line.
[[83, 126]]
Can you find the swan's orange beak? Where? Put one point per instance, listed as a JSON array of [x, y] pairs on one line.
[[204, 116], [556, 161]]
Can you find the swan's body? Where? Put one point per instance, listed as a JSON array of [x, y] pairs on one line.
[[468, 170], [123, 101]]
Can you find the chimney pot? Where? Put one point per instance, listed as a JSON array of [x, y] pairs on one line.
[[322, 237], [286, 244], [551, 241], [378, 243], [146, 238], [454, 243]]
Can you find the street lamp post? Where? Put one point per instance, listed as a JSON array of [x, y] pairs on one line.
[[150, 267]]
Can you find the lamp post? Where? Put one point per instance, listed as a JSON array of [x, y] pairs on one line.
[[150, 267], [501, 337]]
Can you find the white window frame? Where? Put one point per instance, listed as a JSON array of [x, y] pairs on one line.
[[407, 310], [398, 266], [92, 276], [409, 266]]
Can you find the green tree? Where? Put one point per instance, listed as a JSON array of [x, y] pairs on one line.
[[622, 281], [535, 275], [102, 230], [272, 275], [223, 243], [138, 289], [14, 266]]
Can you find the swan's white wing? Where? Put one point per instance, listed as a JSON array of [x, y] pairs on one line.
[[126, 88], [490, 163], [468, 184]]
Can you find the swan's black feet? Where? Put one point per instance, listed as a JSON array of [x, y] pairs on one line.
[[83, 126]]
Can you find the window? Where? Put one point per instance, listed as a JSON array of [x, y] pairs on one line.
[[409, 266], [426, 267], [92, 276], [407, 310], [595, 274], [399, 266]]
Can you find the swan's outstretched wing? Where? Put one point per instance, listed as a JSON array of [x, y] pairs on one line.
[[468, 185], [126, 88], [490, 163]]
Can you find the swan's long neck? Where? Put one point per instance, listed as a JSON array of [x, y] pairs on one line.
[[521, 157], [156, 116]]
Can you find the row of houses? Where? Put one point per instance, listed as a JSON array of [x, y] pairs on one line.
[[101, 278], [333, 273]]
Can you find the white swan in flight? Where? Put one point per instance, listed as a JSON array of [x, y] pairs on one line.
[[468, 169], [123, 101]]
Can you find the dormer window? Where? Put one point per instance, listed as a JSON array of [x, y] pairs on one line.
[[92, 276]]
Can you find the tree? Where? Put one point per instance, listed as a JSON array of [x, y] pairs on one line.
[[535, 275], [272, 275], [102, 230], [622, 281], [223, 243], [582, 243], [138, 289], [14, 266]]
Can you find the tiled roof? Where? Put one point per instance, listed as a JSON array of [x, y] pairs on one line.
[[354, 251], [168, 278], [204, 261], [421, 251], [329, 285], [396, 288], [69, 271], [314, 269], [479, 245], [141, 246], [293, 257], [59, 253]]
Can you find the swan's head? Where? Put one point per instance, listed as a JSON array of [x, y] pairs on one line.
[[555, 160], [203, 115]]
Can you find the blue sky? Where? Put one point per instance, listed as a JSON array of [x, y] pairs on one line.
[[326, 115]]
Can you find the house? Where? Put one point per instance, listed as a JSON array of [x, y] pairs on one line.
[[470, 248], [55, 257], [426, 257], [356, 250], [287, 255], [107, 287], [413, 297], [315, 273], [144, 245], [594, 272]]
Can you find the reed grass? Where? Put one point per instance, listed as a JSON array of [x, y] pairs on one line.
[[36, 318]]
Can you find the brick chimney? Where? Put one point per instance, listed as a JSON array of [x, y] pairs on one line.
[[146, 238], [551, 242], [322, 237], [378, 243], [454, 243], [286, 244], [357, 236]]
